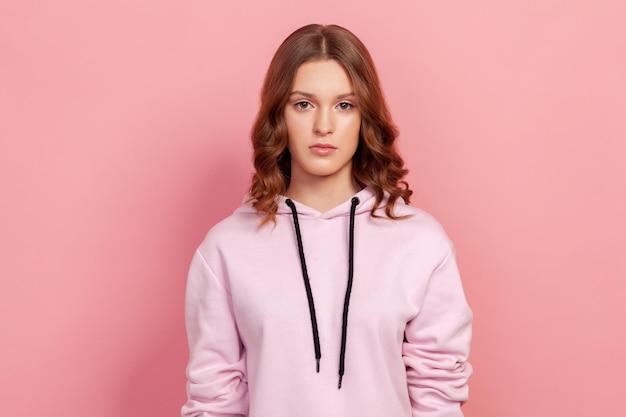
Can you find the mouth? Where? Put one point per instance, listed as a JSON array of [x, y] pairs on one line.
[[322, 149], [323, 145]]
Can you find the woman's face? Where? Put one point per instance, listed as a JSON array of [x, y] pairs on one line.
[[323, 123]]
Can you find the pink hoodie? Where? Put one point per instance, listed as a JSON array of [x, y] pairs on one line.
[[250, 327]]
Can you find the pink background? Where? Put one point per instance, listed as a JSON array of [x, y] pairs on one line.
[[123, 138]]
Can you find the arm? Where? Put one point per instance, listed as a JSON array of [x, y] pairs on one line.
[[216, 373], [437, 345]]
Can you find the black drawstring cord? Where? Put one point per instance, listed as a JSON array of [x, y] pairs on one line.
[[307, 285], [346, 301], [309, 294]]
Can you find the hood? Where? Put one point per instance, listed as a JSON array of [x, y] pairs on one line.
[[366, 197]]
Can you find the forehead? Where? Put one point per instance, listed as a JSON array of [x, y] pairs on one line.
[[323, 74]]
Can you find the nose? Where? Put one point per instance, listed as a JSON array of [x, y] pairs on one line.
[[324, 123]]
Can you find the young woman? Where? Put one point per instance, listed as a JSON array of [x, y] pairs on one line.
[[326, 295]]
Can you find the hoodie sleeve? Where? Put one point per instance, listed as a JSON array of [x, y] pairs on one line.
[[437, 345], [216, 373]]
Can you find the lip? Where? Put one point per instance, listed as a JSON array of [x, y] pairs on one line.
[[322, 149]]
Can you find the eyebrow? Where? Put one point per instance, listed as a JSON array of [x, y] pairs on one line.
[[309, 95]]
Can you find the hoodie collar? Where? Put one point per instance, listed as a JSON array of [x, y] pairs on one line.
[[366, 201]]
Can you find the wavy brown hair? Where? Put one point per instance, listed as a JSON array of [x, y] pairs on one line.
[[376, 162]]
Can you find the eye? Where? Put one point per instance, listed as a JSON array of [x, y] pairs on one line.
[[302, 105], [344, 105]]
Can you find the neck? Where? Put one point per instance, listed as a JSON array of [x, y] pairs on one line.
[[322, 195]]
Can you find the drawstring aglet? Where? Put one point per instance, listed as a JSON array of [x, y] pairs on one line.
[[340, 379], [318, 365]]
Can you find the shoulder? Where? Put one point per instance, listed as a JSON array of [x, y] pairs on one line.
[[418, 219], [232, 230], [418, 229]]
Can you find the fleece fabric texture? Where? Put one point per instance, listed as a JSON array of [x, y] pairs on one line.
[[249, 326]]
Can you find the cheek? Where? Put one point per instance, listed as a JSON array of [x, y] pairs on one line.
[[355, 128], [295, 125], [288, 122], [350, 125]]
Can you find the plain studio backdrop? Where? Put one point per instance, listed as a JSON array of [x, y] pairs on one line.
[[124, 137]]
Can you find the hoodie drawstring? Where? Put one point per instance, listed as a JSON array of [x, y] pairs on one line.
[[346, 301], [309, 293], [307, 285]]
